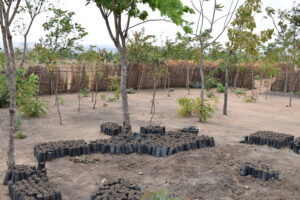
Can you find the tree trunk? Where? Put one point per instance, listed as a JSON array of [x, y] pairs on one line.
[[188, 80], [96, 92], [153, 101], [226, 85], [286, 78], [56, 98], [141, 79], [79, 88], [202, 76], [292, 89], [261, 82], [126, 118], [236, 78]]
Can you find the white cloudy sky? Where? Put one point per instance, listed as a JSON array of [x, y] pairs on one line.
[[90, 18]]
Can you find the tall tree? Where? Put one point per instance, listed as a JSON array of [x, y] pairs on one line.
[[8, 12], [122, 12], [241, 35], [205, 33]]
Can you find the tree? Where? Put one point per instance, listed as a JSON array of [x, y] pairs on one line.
[[61, 39], [8, 12], [241, 35], [123, 11], [203, 34], [32, 8]]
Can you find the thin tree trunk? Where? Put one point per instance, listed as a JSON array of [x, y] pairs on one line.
[[188, 80], [202, 76], [261, 82], [286, 78], [292, 89], [236, 78], [225, 106], [126, 118], [268, 85], [56, 98], [141, 79], [96, 92], [79, 87], [153, 100], [168, 81]]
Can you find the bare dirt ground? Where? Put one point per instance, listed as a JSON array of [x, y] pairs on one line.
[[210, 173]]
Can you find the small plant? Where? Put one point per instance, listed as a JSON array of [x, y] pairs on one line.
[[210, 95], [161, 195], [190, 106], [297, 92], [204, 112], [220, 88], [20, 135], [186, 108], [257, 77], [85, 92], [114, 86], [210, 82], [61, 101], [103, 97], [130, 91], [18, 121], [240, 92], [250, 99], [112, 99], [33, 108]]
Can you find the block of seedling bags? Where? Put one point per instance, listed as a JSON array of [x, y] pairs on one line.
[[190, 129], [261, 171], [269, 138], [117, 189], [295, 145], [20, 172], [52, 150], [111, 128], [153, 130]]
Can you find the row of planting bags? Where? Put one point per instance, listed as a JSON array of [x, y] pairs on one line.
[[158, 145], [275, 140]]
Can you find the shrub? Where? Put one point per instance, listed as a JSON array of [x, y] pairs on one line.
[[85, 92], [297, 92], [33, 108], [130, 91], [220, 88], [114, 86], [111, 99], [190, 106], [20, 135], [61, 101], [257, 77], [210, 82], [240, 92], [204, 112], [4, 94], [210, 95], [186, 108], [103, 96], [162, 195], [250, 99]]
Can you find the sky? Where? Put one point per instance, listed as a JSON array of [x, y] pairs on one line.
[[90, 18]]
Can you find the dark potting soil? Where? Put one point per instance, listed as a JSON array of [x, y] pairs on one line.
[[153, 130], [117, 189], [30, 183], [269, 138], [295, 145], [111, 128], [261, 171]]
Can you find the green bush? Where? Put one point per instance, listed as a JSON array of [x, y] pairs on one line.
[[27, 91], [20, 135], [186, 108], [210, 82], [162, 195], [257, 77], [297, 92], [112, 99], [250, 99], [220, 88], [85, 92], [130, 91], [240, 92], [204, 112], [210, 95], [114, 86], [103, 96], [4, 94]]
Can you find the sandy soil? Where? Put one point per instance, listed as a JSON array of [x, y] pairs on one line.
[[211, 173]]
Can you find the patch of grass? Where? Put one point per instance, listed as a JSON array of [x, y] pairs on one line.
[[20, 135], [103, 97], [130, 91], [85, 92], [220, 88], [112, 99]]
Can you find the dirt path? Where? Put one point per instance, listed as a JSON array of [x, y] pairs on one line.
[[210, 173]]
